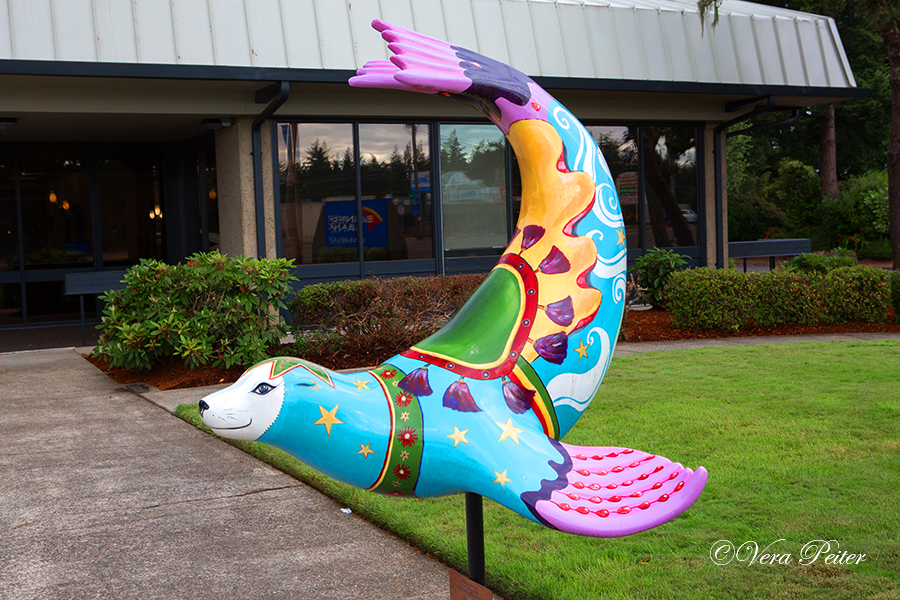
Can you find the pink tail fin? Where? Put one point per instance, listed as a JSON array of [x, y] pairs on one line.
[[613, 492]]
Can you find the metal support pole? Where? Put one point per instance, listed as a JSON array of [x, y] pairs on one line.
[[475, 537]]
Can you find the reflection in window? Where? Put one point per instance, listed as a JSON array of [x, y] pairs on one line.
[[10, 304], [318, 192], [473, 190], [56, 212], [131, 211], [670, 184], [618, 147], [9, 239], [211, 197], [47, 302], [396, 191]]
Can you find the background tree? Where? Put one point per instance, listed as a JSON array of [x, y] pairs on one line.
[[885, 16], [864, 129]]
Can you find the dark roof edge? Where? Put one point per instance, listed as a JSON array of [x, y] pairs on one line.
[[167, 71], [269, 74], [694, 87]]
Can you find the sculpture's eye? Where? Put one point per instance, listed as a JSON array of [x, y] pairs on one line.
[[263, 389]]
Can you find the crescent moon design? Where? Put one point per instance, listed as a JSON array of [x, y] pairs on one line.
[[481, 405]]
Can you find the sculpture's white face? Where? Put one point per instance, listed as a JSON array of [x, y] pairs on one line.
[[247, 408]]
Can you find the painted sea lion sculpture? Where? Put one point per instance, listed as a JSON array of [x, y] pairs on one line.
[[480, 405]]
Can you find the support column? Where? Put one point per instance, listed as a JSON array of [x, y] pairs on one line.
[[709, 182], [269, 190], [234, 180]]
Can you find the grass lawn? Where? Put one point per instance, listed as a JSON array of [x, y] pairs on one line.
[[802, 443]]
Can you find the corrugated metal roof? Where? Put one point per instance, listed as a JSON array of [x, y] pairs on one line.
[[650, 40]]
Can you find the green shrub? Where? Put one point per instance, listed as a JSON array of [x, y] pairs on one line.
[[654, 269], [895, 292], [876, 249], [781, 297], [374, 318], [856, 293], [707, 298], [725, 299], [860, 209], [212, 309], [796, 189], [821, 263], [752, 217]]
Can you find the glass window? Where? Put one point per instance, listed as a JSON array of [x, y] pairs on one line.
[[131, 211], [473, 190], [56, 212], [617, 144], [47, 302], [10, 303], [670, 185], [318, 192], [396, 191], [9, 238], [211, 196]]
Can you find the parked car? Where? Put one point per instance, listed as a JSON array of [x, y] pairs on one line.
[[688, 213]]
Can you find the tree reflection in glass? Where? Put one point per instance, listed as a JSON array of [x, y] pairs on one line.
[[670, 183]]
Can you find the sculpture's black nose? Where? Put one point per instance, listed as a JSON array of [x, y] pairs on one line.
[[203, 406]]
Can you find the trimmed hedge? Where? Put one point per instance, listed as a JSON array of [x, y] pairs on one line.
[[212, 309], [725, 299], [781, 297], [707, 298], [895, 292], [374, 318], [856, 294]]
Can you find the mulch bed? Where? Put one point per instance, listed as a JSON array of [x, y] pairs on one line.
[[640, 326]]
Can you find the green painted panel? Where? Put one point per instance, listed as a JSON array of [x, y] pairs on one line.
[[479, 332]]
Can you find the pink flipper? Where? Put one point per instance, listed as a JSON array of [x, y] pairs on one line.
[[424, 64], [420, 64], [613, 492]]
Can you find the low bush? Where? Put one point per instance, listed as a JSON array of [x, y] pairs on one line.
[[821, 263], [707, 298], [653, 271], [856, 293], [375, 318], [895, 292], [212, 309], [781, 297], [725, 299], [876, 249]]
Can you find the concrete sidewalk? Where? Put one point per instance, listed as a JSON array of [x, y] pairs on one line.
[[105, 495]]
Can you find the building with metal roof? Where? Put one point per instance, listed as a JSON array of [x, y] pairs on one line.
[[159, 128]]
